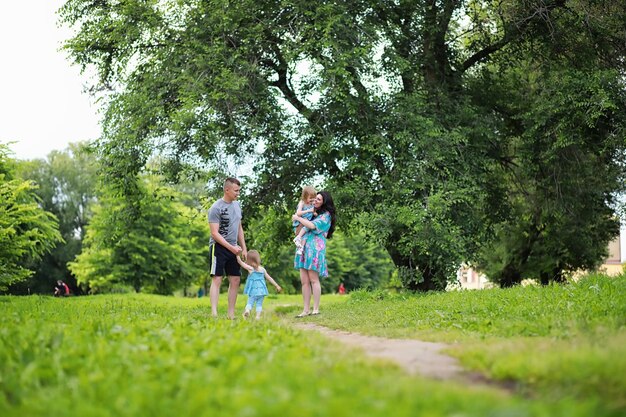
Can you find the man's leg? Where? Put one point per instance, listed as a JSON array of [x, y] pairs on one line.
[[233, 288], [214, 294]]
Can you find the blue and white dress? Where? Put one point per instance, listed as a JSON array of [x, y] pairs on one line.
[[307, 216], [255, 284]]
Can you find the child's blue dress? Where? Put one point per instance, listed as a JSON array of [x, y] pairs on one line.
[[255, 284], [307, 216]]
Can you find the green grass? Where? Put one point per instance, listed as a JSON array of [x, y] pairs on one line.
[[140, 355], [555, 311], [555, 342]]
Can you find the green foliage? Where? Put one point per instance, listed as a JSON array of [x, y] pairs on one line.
[[357, 262], [26, 230], [163, 249], [132, 355], [66, 187], [391, 105], [564, 166], [561, 151]]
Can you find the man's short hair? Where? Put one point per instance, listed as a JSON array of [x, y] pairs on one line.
[[231, 181]]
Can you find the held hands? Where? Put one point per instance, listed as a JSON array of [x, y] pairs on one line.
[[278, 288], [236, 249]]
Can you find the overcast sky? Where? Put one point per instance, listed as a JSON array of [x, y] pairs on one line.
[[42, 103]]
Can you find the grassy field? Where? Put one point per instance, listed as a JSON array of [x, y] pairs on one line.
[[140, 355], [556, 343]]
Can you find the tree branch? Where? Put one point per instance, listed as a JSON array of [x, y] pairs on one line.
[[281, 68], [513, 31], [484, 53]]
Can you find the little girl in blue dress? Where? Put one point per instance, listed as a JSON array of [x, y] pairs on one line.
[[305, 210], [255, 288]]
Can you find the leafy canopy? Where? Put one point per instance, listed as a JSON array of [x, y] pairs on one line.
[[409, 112]]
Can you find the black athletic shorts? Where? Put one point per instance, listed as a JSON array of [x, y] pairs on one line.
[[223, 262]]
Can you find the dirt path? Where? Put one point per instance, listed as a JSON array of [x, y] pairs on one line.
[[414, 356]]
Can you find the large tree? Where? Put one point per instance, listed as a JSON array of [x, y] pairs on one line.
[[388, 101]]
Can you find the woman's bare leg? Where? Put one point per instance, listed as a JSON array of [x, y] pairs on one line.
[[306, 290], [314, 278]]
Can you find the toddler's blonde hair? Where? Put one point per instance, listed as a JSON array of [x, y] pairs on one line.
[[307, 191], [254, 259]]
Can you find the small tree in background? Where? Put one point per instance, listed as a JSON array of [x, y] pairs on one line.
[[66, 186], [27, 231], [162, 249]]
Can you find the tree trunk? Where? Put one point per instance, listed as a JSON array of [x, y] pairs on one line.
[[510, 276], [555, 275], [414, 276]]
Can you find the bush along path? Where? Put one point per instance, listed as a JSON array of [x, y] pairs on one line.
[[414, 356]]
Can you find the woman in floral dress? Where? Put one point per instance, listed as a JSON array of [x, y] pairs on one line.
[[312, 261]]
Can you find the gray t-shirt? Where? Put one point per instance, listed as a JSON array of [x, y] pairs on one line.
[[228, 216]]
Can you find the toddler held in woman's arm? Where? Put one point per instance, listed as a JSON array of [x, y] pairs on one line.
[[306, 211]]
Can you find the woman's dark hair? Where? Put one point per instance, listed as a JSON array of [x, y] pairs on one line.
[[328, 206]]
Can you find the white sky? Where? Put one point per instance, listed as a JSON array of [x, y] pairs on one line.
[[42, 103]]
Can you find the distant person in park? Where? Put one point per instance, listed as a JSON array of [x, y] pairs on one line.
[[341, 289], [312, 261], [305, 210], [61, 289], [226, 244], [256, 288]]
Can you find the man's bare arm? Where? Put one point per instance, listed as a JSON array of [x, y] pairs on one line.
[[215, 234]]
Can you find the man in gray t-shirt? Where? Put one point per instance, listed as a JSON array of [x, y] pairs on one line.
[[226, 243], [228, 218]]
